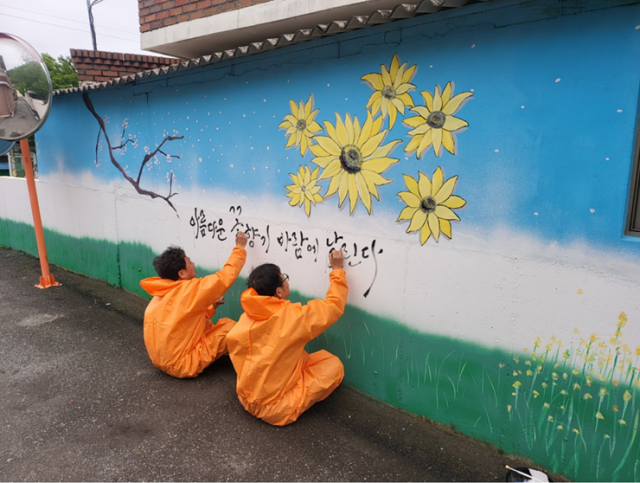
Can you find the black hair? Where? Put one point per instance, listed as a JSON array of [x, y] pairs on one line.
[[170, 263], [265, 279]]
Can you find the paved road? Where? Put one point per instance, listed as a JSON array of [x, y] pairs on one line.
[[80, 401]]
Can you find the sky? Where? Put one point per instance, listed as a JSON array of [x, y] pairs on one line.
[[55, 26]]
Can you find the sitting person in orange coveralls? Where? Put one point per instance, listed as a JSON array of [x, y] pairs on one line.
[[277, 379], [178, 332]]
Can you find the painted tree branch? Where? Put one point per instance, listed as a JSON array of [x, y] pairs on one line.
[[134, 182]]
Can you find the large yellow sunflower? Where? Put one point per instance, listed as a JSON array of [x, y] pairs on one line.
[[430, 205], [354, 158], [391, 89], [435, 122], [300, 125], [304, 189]]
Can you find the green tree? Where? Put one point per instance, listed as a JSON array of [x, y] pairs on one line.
[[62, 71]]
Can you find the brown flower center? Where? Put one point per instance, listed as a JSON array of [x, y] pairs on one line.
[[428, 204], [389, 92], [301, 125], [351, 159], [436, 119]]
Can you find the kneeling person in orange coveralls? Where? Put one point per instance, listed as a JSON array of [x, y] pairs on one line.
[[178, 332], [277, 379]]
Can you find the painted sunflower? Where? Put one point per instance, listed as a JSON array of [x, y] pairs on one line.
[[391, 89], [300, 125], [435, 122], [304, 189], [430, 205], [354, 158]]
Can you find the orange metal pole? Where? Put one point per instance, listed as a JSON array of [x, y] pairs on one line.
[[47, 279]]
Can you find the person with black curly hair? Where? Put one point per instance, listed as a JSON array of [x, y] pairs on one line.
[[179, 335]]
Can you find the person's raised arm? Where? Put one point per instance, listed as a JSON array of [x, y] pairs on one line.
[[214, 286], [322, 314]]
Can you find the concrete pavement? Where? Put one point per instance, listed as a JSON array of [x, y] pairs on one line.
[[80, 401]]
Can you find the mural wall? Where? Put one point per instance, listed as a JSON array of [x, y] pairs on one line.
[[475, 177]]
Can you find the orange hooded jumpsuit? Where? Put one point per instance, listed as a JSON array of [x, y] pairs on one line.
[[277, 379], [178, 332]]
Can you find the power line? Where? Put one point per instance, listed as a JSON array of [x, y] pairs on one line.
[[63, 18], [68, 28]]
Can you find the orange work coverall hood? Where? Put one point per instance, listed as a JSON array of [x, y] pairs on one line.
[[267, 345], [178, 332]]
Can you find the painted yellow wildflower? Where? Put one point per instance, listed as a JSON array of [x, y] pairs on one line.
[[599, 415], [622, 320], [515, 373], [300, 125], [622, 422], [529, 372], [564, 392], [588, 380], [435, 123], [603, 392], [391, 88], [615, 408], [565, 376], [606, 436], [546, 405], [576, 386], [354, 158], [587, 396], [576, 431], [533, 357], [509, 407], [535, 394], [637, 351], [304, 190], [517, 384], [430, 205], [516, 359], [576, 330], [545, 385], [500, 365], [575, 372], [559, 427], [527, 363], [550, 418], [555, 376], [627, 396]]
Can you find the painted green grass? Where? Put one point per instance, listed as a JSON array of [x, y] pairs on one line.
[[573, 410]]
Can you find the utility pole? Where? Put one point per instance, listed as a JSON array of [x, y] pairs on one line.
[[90, 5]]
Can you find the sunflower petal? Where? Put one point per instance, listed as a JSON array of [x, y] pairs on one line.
[[418, 221], [445, 213], [408, 74], [428, 100], [393, 68], [372, 144], [452, 123], [412, 184], [341, 132], [413, 144], [410, 199], [446, 190], [328, 145], [436, 180], [414, 121], [374, 80], [446, 94], [434, 225], [456, 103], [436, 136], [386, 78], [425, 233], [392, 113], [406, 213], [424, 185], [378, 165], [332, 169], [445, 227], [363, 191], [453, 202], [448, 142], [406, 98]]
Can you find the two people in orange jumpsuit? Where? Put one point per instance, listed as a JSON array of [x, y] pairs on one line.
[[277, 379]]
